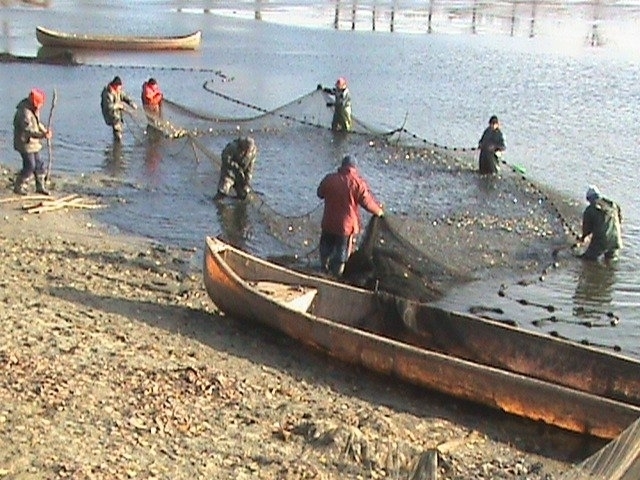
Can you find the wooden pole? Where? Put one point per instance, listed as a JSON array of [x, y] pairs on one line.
[[595, 40], [534, 5], [336, 18], [54, 100], [429, 29], [474, 14], [373, 17], [513, 17], [393, 15], [354, 9]]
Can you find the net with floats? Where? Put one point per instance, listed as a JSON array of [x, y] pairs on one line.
[[445, 223]]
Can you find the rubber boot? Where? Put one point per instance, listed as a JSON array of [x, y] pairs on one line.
[[40, 185], [18, 186]]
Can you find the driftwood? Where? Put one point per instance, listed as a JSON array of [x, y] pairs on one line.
[[427, 467], [70, 201], [22, 198]]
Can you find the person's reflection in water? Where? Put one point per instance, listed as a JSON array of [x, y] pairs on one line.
[[153, 152], [114, 164], [594, 289], [234, 221]]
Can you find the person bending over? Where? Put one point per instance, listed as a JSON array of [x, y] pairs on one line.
[[601, 221], [238, 159]]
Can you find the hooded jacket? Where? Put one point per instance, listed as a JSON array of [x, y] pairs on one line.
[[343, 193], [151, 97], [28, 131], [602, 219]]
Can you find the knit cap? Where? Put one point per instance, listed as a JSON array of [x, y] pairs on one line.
[[592, 193]]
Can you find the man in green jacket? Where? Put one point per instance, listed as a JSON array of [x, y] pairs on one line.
[[112, 102], [28, 132], [601, 221], [342, 121]]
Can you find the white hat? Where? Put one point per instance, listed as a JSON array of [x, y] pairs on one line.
[[593, 193]]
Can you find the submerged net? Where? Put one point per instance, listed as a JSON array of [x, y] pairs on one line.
[[445, 224]]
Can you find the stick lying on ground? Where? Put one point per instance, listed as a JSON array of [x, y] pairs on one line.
[[22, 198], [70, 201]]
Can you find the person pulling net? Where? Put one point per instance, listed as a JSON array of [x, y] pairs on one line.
[[485, 224]]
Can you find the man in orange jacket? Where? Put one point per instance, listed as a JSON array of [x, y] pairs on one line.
[[343, 193]]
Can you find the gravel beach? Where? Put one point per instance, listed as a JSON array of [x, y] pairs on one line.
[[114, 363]]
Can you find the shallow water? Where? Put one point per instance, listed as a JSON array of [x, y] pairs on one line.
[[568, 110]]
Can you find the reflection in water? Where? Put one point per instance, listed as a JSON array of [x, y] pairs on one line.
[[153, 151], [234, 220], [595, 285], [114, 162]]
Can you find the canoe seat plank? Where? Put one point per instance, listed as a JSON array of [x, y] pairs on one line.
[[296, 297]]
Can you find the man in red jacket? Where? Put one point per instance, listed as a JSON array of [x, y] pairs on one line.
[[343, 193], [152, 97]]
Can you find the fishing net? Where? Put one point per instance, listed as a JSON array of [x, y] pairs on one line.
[[444, 225]]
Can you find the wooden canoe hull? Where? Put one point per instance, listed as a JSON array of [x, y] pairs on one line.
[[333, 325], [52, 38], [570, 364]]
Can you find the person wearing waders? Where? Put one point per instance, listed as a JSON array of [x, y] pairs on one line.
[[343, 193], [238, 159], [152, 98], [491, 146], [113, 101], [341, 121], [28, 132], [601, 221]]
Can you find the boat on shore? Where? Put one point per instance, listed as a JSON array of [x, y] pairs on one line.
[[52, 38], [572, 386]]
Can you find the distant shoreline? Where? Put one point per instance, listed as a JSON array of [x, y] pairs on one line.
[[516, 18]]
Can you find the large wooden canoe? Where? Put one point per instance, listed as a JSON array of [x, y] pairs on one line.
[[575, 387], [51, 38]]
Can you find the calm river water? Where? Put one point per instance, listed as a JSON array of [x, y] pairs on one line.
[[569, 112]]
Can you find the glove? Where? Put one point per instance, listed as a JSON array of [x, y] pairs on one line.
[[331, 104], [319, 87], [328, 90]]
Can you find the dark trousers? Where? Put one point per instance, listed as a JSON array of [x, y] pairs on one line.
[[334, 252], [31, 163]]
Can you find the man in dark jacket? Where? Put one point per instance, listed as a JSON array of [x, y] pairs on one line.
[[112, 102], [238, 159], [343, 193], [491, 146], [28, 132], [601, 221]]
